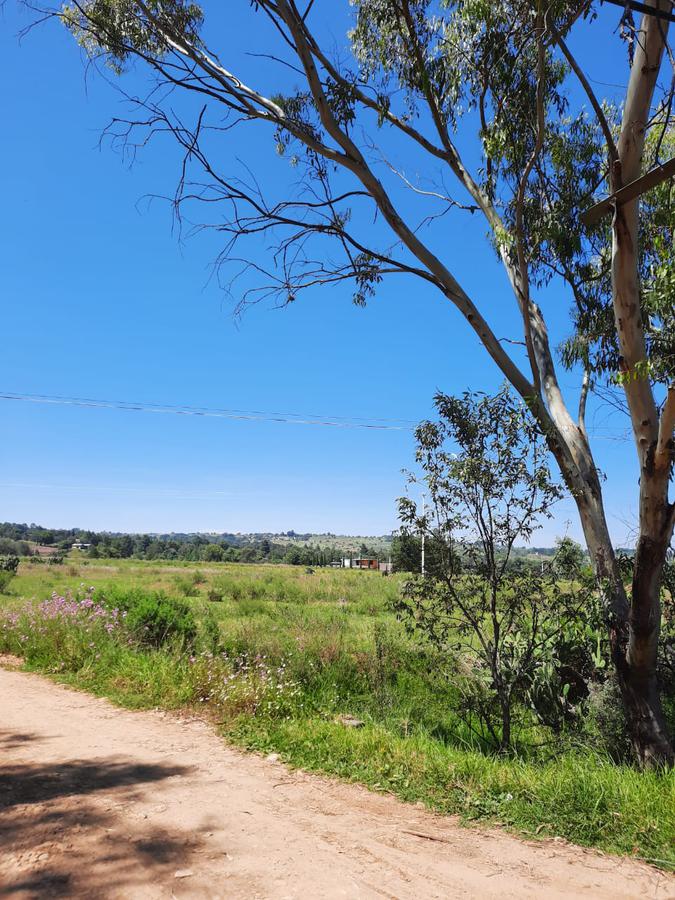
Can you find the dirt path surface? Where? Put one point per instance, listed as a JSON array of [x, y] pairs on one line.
[[99, 802]]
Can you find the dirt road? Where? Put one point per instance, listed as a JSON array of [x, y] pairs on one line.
[[99, 802]]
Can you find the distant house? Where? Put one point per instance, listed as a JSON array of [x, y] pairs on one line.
[[362, 563], [79, 545]]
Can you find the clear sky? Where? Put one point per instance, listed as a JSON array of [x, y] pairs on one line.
[[101, 299]]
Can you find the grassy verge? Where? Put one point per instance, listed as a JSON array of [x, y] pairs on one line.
[[288, 668], [579, 797]]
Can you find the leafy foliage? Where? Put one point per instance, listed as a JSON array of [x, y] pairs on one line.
[[9, 564], [594, 342], [123, 28], [154, 618], [515, 637]]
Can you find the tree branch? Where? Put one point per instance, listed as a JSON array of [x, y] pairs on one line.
[[355, 162], [522, 286], [665, 445], [576, 68], [583, 397]]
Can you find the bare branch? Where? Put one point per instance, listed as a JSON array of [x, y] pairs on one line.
[[583, 397], [597, 108], [353, 159], [522, 283]]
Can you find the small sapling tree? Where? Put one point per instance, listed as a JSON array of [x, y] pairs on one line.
[[506, 626]]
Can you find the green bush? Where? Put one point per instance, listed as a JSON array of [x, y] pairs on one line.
[[5, 578], [9, 564], [228, 587], [154, 618], [186, 586], [157, 620]]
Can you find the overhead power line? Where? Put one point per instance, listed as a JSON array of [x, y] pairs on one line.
[[288, 418], [210, 412]]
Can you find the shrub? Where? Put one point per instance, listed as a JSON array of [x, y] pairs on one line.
[[5, 579], [154, 618], [186, 586], [9, 564], [8, 547], [227, 587], [157, 620]]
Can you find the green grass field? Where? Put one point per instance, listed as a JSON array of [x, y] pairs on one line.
[[324, 646]]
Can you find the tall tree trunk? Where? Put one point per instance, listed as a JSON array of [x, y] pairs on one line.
[[639, 682], [633, 636], [637, 665], [633, 625], [635, 646]]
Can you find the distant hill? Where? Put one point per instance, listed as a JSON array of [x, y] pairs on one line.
[[340, 543], [346, 542], [289, 546]]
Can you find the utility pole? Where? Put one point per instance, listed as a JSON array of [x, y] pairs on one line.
[[424, 509], [629, 192]]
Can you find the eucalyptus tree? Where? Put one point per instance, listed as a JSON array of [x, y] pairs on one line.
[[487, 97]]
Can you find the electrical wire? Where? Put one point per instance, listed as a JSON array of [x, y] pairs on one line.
[[238, 414], [253, 415]]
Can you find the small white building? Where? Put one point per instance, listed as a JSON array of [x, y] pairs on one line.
[[360, 563]]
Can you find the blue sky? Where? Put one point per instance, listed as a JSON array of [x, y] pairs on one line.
[[102, 300]]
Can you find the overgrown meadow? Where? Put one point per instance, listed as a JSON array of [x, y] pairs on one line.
[[316, 667]]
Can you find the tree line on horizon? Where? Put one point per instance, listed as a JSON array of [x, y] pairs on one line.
[[20, 540], [404, 551]]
